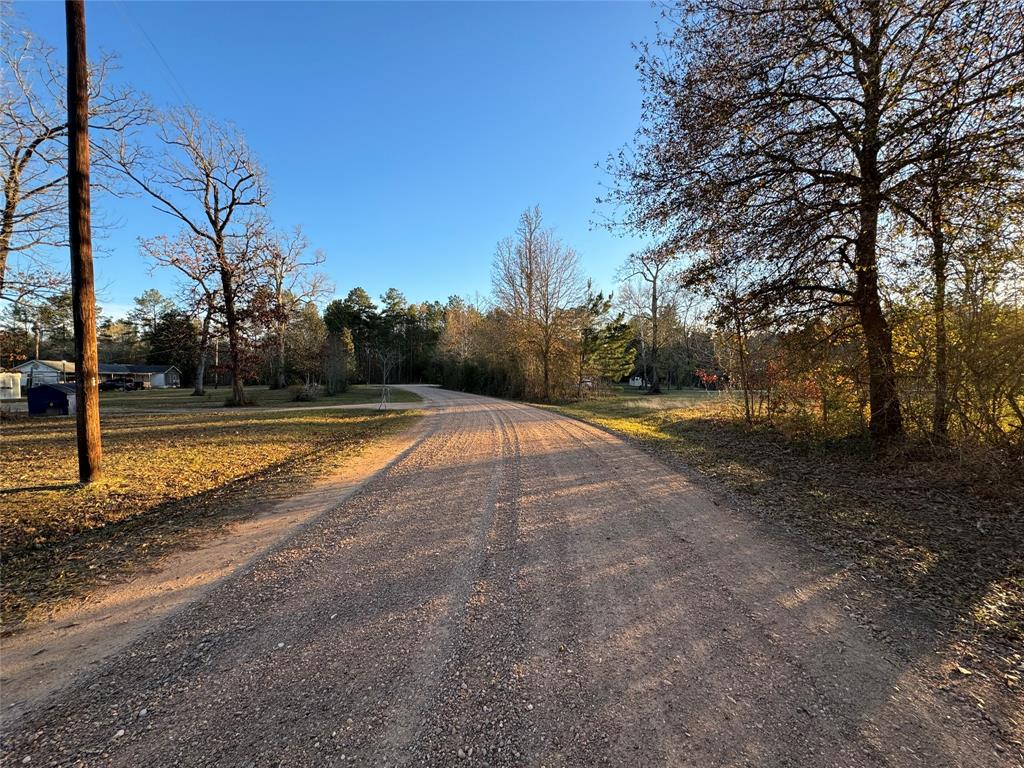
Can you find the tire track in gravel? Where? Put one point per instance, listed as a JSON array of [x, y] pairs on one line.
[[762, 682], [358, 603], [436, 656], [554, 671], [474, 714], [531, 591]]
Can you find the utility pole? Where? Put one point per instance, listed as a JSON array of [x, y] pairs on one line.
[[83, 289]]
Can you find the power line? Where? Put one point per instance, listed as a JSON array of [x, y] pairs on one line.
[[176, 84]]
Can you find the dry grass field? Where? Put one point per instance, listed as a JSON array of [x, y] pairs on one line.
[[261, 396]]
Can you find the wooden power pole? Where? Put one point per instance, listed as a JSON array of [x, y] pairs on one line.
[[83, 288]]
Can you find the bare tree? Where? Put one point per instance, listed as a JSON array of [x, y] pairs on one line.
[[193, 257], [206, 176], [388, 359], [293, 283], [536, 280], [33, 142], [654, 267], [516, 265]]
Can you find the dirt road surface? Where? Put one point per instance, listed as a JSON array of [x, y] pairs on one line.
[[520, 589]]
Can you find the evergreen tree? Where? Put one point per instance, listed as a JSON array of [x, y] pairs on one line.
[[605, 345]]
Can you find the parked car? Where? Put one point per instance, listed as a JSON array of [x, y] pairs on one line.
[[118, 385]]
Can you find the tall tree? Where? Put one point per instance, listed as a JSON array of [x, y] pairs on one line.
[[359, 315], [604, 348], [397, 319], [536, 280], [53, 319], [307, 338], [969, 165], [34, 161], [118, 341], [149, 307], [338, 359], [293, 283], [654, 267], [174, 341], [206, 176], [193, 257], [796, 125]]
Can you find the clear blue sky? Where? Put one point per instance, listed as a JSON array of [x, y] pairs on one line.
[[404, 138]]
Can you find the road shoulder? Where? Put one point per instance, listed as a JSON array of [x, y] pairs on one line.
[[48, 655]]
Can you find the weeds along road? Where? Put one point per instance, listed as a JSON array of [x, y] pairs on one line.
[[519, 589]]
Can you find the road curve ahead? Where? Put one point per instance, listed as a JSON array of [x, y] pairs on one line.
[[518, 589]]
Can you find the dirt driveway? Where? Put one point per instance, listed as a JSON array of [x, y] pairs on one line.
[[522, 589]]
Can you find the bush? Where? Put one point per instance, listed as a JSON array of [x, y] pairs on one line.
[[308, 393]]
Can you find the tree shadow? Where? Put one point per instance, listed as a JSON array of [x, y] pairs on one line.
[[643, 624], [71, 561], [921, 525], [40, 488]]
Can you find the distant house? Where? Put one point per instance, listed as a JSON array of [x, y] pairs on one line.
[[34, 372], [52, 400], [156, 376], [637, 381]]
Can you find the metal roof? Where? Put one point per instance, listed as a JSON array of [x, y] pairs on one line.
[[68, 389], [69, 367]]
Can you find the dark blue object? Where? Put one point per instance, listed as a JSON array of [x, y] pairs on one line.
[[52, 400]]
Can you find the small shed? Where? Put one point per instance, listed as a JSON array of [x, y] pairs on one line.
[[52, 400]]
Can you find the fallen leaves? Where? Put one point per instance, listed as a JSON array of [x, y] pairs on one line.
[[932, 529]]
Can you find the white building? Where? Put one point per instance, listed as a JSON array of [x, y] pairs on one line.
[[35, 372]]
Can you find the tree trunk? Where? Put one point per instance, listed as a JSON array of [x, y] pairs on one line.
[[655, 387], [886, 420], [281, 381], [646, 358], [234, 340], [278, 380], [11, 194], [546, 354], [199, 388], [742, 354], [940, 411], [579, 379]]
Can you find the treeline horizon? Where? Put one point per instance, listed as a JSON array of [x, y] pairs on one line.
[[833, 202]]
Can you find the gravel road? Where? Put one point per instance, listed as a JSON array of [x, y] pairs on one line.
[[521, 589]]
